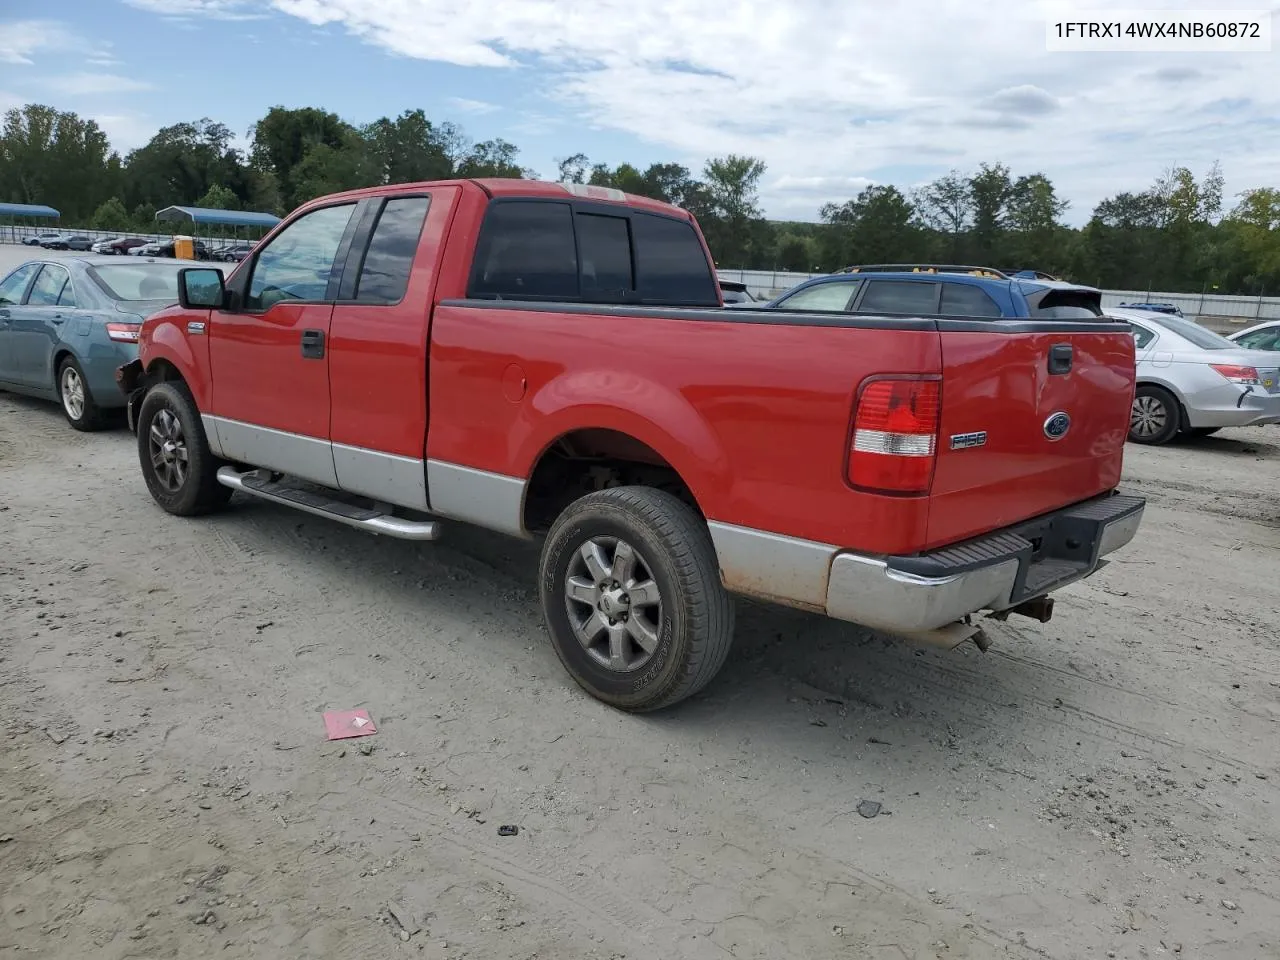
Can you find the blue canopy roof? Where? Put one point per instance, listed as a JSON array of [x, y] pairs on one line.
[[231, 218], [27, 210]]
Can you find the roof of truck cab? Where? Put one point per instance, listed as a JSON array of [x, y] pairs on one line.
[[513, 187]]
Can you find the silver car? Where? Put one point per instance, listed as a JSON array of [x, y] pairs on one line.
[[1195, 382]]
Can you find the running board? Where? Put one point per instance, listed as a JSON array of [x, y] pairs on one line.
[[317, 504]]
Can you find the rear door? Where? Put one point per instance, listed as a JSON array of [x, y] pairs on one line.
[[1035, 414], [378, 345]]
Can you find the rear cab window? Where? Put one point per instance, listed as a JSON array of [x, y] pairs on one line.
[[589, 253]]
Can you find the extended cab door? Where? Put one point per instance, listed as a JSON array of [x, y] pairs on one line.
[[269, 353], [378, 345]]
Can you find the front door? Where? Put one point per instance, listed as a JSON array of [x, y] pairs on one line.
[[269, 355], [40, 327], [12, 291]]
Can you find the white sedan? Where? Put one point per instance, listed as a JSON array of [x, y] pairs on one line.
[[1263, 336], [1194, 382]]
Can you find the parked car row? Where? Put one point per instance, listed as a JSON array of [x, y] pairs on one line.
[[66, 325], [137, 246]]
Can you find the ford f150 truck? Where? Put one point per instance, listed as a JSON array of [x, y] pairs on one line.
[[555, 360]]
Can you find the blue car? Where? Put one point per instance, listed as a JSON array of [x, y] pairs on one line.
[[1167, 308], [942, 290], [67, 324]]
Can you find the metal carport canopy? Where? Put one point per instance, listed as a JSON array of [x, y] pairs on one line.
[[27, 210], [230, 218]]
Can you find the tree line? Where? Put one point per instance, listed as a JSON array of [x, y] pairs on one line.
[[1180, 234]]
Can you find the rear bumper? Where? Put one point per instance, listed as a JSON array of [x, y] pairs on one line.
[[996, 572], [1233, 406]]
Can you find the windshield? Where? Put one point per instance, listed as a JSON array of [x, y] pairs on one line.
[[1193, 332], [139, 281]]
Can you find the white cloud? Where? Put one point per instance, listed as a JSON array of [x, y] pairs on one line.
[[473, 106], [216, 9], [83, 84], [925, 86], [22, 40]]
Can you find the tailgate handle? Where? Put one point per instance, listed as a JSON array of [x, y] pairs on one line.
[[1060, 358]]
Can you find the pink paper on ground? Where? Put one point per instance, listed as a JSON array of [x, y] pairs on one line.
[[340, 724]]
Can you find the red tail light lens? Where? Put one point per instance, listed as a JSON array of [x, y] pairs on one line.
[[124, 332], [895, 436], [1237, 374]]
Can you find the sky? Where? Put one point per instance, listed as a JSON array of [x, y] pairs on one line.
[[833, 96]]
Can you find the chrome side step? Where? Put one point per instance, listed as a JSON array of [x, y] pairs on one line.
[[362, 518]]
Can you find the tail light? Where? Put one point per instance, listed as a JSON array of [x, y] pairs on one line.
[[123, 332], [1237, 374], [895, 436]]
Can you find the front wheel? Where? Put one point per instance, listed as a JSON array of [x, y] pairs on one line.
[[632, 597], [1156, 416], [180, 469]]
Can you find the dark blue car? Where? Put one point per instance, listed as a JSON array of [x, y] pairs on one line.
[[67, 324], [942, 290]]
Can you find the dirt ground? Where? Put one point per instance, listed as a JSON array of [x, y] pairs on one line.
[[1104, 785]]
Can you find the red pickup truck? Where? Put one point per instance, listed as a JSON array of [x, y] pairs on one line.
[[555, 360]]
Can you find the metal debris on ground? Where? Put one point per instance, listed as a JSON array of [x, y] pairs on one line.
[[508, 830], [869, 809]]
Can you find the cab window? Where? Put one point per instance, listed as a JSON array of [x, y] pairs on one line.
[[298, 263]]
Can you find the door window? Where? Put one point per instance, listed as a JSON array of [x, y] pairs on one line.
[[48, 286], [15, 284], [900, 296], [671, 265], [1142, 337], [298, 263], [384, 276], [835, 295]]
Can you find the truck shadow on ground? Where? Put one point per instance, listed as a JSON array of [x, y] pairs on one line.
[[785, 663]]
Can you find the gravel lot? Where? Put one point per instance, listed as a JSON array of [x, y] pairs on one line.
[[1102, 785]]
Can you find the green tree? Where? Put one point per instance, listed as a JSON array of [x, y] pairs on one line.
[[282, 140], [946, 206], [218, 197], [181, 162], [877, 226], [410, 148], [111, 215], [732, 206], [54, 157], [493, 158], [990, 191]]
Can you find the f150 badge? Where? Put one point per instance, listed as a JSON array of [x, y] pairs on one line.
[[1056, 427], [965, 441]]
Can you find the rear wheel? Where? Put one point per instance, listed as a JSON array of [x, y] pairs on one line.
[[632, 597], [180, 469], [1155, 417], [78, 405]]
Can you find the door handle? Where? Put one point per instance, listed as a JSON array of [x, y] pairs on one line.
[[1060, 357], [313, 344], [58, 318]]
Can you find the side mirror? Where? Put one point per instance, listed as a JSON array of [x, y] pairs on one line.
[[201, 288]]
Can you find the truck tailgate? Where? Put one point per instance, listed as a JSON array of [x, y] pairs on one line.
[[1034, 417]]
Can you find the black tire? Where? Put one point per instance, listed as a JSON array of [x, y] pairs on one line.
[[1201, 431], [76, 399], [694, 624], [183, 492], [1156, 417]]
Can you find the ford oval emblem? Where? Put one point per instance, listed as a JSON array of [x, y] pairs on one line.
[[1056, 427]]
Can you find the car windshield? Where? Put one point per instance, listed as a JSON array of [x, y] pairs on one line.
[[139, 281], [1191, 331]]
